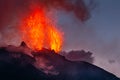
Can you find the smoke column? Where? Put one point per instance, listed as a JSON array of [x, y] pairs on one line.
[[12, 12]]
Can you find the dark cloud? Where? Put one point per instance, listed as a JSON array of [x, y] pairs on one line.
[[12, 12], [11, 9], [77, 55], [77, 6], [111, 61]]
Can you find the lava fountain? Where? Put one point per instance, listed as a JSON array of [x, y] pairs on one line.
[[39, 31]]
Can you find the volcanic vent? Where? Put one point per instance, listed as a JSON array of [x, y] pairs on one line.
[[39, 31]]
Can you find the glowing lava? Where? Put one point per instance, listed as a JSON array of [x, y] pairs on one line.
[[39, 31]]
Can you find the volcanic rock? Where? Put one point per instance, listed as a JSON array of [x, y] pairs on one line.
[[47, 65]]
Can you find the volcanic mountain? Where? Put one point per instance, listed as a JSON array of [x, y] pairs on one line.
[[22, 63]]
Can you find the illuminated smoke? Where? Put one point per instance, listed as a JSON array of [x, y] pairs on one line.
[[12, 12]]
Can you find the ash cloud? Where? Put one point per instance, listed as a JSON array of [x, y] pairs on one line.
[[78, 55], [78, 7], [15, 9], [12, 12]]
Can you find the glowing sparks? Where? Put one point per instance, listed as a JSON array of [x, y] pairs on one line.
[[38, 32]]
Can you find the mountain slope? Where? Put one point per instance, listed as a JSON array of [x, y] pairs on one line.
[[46, 65]]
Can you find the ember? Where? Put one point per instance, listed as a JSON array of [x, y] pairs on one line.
[[39, 31]]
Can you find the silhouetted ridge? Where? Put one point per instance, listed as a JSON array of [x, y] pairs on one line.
[[46, 65]]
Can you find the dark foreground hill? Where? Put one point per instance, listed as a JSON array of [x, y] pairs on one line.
[[16, 64]]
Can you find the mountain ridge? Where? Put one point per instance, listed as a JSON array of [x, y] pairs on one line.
[[46, 65]]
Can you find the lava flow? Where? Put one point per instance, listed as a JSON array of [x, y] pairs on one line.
[[39, 31]]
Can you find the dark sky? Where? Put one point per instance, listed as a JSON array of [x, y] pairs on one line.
[[100, 34], [106, 22]]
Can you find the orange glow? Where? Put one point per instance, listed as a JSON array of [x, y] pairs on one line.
[[55, 39], [39, 31]]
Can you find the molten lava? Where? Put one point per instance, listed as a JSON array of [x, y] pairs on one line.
[[39, 31]]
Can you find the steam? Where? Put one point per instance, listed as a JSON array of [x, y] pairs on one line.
[[45, 66], [22, 49]]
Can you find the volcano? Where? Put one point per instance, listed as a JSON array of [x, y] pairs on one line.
[[22, 63]]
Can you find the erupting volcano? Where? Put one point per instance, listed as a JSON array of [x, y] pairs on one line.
[[39, 31], [40, 55]]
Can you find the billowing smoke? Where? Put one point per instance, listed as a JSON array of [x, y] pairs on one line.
[[77, 55], [14, 7], [78, 7], [12, 12]]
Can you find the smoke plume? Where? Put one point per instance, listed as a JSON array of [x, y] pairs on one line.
[[12, 12], [14, 9], [77, 55]]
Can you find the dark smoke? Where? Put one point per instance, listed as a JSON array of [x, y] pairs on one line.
[[78, 7], [11, 9], [78, 55]]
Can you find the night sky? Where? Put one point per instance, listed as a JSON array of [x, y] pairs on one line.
[[99, 34]]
